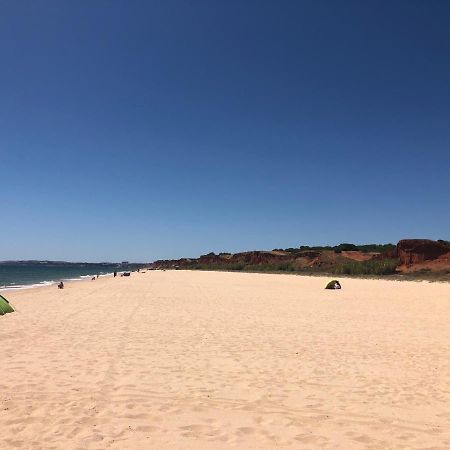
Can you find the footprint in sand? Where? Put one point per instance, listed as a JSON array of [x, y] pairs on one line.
[[197, 430], [148, 428], [309, 438], [245, 431], [363, 438]]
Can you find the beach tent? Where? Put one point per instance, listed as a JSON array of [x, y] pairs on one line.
[[333, 284], [5, 307]]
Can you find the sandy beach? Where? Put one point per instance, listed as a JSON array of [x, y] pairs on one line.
[[204, 360]]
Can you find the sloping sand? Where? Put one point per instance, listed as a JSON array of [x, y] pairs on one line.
[[197, 360]]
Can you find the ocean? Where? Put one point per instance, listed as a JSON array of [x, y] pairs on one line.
[[23, 275]]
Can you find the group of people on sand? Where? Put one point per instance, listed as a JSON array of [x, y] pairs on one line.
[[95, 277]]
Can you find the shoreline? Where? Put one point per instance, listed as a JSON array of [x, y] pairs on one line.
[[48, 283], [417, 276], [68, 282]]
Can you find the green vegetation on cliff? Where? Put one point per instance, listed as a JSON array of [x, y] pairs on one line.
[[345, 247], [371, 267]]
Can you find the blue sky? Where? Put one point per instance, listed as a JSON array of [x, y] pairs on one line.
[[140, 130]]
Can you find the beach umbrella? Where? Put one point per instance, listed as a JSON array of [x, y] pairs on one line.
[[5, 306]]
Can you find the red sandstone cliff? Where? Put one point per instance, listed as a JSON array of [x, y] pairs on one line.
[[413, 255], [416, 254]]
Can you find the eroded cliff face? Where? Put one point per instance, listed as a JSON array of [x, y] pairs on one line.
[[412, 254], [417, 251], [299, 259]]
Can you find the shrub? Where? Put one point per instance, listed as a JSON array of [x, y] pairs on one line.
[[345, 248], [275, 267], [371, 267], [208, 254]]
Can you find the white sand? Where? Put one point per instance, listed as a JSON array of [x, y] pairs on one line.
[[192, 360]]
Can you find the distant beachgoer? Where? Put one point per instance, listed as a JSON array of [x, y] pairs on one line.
[[93, 278], [61, 285], [97, 276], [115, 274], [333, 284]]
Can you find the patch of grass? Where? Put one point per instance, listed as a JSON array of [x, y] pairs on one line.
[[238, 267], [276, 267], [371, 267], [365, 269], [233, 267]]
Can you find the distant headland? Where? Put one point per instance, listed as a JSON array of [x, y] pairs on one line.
[[49, 263]]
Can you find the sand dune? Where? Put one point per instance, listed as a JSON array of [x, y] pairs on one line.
[[192, 360]]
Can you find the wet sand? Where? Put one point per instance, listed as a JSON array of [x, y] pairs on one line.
[[203, 360]]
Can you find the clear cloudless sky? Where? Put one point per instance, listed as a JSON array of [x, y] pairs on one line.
[[137, 130]]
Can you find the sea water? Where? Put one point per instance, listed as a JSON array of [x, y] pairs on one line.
[[19, 276]]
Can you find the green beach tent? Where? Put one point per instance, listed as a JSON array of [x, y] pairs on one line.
[[333, 284], [5, 307]]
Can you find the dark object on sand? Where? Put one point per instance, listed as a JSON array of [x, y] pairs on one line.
[[61, 285], [5, 306], [93, 278], [115, 274], [126, 274], [333, 284]]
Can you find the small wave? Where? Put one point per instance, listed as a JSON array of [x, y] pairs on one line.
[[18, 287]]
